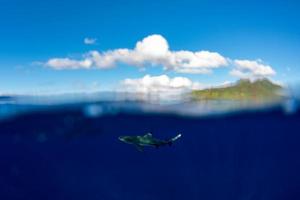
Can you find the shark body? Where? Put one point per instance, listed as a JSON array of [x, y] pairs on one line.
[[147, 140]]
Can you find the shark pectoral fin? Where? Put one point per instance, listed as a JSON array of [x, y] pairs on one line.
[[139, 147]]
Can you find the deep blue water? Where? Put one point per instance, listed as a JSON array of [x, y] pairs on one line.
[[63, 153]]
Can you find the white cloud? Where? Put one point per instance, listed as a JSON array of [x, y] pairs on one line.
[[153, 50], [251, 69], [162, 87], [67, 63], [195, 62], [90, 41], [153, 47], [160, 84]]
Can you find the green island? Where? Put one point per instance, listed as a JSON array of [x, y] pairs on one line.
[[244, 89]]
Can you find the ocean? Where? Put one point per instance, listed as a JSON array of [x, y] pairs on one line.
[[71, 151]]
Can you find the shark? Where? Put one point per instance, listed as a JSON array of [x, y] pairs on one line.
[[147, 140]]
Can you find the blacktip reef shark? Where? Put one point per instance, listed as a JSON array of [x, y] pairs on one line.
[[147, 140]]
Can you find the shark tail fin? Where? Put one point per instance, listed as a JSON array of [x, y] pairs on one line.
[[170, 142]]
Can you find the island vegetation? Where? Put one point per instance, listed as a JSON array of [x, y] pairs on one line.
[[244, 89]]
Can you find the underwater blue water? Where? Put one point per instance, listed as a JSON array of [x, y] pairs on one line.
[[73, 152]]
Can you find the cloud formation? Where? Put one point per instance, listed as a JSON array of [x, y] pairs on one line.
[[90, 41], [251, 69], [160, 84], [67, 63], [152, 50]]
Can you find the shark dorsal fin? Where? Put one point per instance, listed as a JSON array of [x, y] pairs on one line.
[[148, 135]]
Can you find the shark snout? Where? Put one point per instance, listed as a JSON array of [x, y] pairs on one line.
[[121, 138], [126, 139]]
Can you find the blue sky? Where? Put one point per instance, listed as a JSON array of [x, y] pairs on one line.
[[34, 32]]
